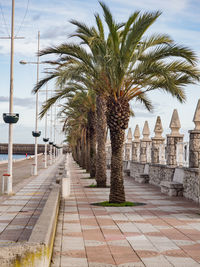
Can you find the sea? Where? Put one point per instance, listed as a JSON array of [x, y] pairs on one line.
[[5, 157]]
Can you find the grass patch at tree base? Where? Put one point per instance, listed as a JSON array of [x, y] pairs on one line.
[[95, 186], [123, 204]]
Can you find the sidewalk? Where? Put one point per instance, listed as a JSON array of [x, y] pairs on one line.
[[164, 232], [21, 171], [20, 212]]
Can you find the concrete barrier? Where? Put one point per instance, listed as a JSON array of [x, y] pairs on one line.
[[65, 187], [37, 251]]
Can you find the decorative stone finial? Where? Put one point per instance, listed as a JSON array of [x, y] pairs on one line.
[[137, 133], [129, 136], [146, 131], [175, 124], [196, 118], [158, 129]]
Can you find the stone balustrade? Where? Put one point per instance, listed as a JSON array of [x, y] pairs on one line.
[[165, 155]]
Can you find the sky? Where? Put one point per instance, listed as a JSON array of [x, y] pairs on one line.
[[180, 19]]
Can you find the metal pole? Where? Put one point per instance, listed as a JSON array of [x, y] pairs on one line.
[[50, 152], [45, 152], [54, 150], [36, 111], [10, 134]]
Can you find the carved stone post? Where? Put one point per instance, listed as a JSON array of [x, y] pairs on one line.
[[128, 145], [136, 144], [145, 144], [173, 138], [157, 140], [194, 142]]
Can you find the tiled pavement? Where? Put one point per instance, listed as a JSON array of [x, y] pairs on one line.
[[164, 232], [20, 212]]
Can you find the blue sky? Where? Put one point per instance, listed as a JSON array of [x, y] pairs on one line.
[[180, 19]]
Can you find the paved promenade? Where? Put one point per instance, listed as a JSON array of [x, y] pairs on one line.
[[164, 232], [20, 212], [21, 170]]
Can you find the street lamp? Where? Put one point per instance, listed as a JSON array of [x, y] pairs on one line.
[[45, 139], [11, 117], [54, 147], [35, 133], [51, 142]]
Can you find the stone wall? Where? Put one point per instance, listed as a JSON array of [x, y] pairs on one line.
[[136, 168], [191, 184], [163, 161], [158, 173]]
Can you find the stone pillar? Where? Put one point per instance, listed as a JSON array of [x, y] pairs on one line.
[[162, 154], [145, 144], [173, 138], [182, 154], [128, 145], [194, 140], [157, 141], [136, 144]]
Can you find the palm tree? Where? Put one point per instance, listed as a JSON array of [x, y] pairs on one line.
[[137, 65], [79, 112], [76, 63], [126, 66]]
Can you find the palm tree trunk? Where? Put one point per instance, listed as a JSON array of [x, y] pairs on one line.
[[117, 194], [92, 140], [79, 151], [88, 150], [74, 152], [83, 150], [118, 113], [101, 140]]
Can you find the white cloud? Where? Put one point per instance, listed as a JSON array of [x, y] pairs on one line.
[[170, 5]]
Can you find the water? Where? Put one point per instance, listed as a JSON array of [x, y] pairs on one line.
[[5, 157]]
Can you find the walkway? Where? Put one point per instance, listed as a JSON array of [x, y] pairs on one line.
[[21, 171], [20, 212], [164, 232]]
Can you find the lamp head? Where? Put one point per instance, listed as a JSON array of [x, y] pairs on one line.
[[23, 62]]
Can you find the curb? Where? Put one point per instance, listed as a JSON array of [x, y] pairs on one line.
[[37, 251]]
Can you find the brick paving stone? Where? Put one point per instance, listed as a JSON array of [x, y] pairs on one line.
[[19, 213], [164, 232]]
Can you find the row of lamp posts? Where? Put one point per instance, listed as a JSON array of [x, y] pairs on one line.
[[37, 133], [12, 118]]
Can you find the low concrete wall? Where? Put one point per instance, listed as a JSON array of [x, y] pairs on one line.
[[158, 173], [37, 251]]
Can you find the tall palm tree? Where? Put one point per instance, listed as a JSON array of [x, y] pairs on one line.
[[137, 65], [125, 66], [79, 112], [76, 63]]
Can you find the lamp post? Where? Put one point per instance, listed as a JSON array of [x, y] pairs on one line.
[[11, 117], [10, 142], [45, 139], [51, 142], [36, 133], [54, 148]]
